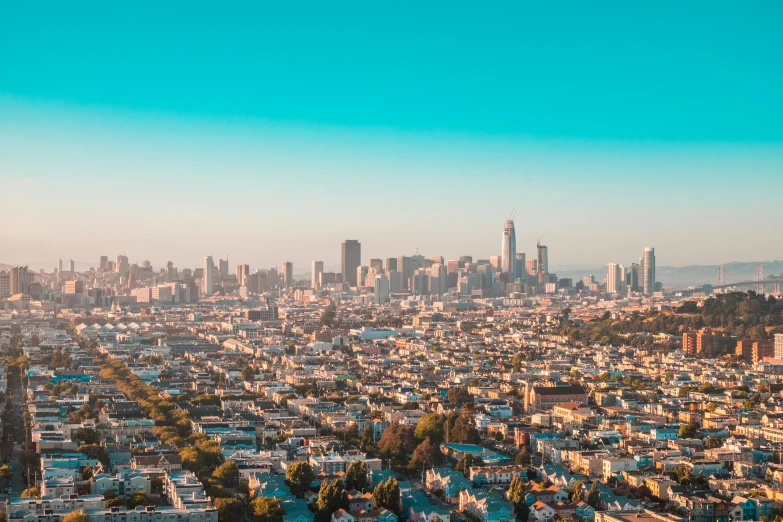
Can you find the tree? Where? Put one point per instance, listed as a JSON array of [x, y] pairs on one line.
[[459, 395], [579, 489], [229, 509], [368, 437], [464, 463], [266, 510], [139, 499], [87, 436], [425, 454], [431, 426], [5, 472], [516, 495], [191, 459], [688, 431], [356, 476], [387, 495], [248, 374], [228, 474], [116, 502], [523, 457], [31, 493], [464, 430], [593, 496], [331, 497], [76, 516], [299, 477], [397, 441]]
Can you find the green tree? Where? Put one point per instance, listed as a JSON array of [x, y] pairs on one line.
[[229, 509], [425, 455], [387, 495], [688, 431], [459, 395], [579, 489], [139, 499], [228, 474], [31, 493], [593, 496], [356, 476], [431, 425], [116, 502], [266, 510], [5, 472], [299, 477], [523, 457], [248, 374], [516, 495], [76, 516], [331, 497]]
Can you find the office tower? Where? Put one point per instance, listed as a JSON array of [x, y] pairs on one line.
[[648, 271], [122, 266], [543, 259], [520, 273], [59, 266], [5, 284], [104, 262], [438, 279], [452, 266], [288, 274], [361, 276], [19, 280], [71, 266], [377, 264], [351, 260], [508, 248], [495, 262], [381, 289], [438, 259], [420, 282], [466, 259], [531, 267], [391, 264], [633, 277], [396, 282], [223, 268], [243, 271], [316, 270], [613, 278], [405, 267], [209, 268]]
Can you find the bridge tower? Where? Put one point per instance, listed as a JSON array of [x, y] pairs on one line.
[[721, 275]]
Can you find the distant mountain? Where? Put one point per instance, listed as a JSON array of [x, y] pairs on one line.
[[686, 275]]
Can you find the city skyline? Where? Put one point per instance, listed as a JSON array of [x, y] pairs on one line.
[[426, 143]]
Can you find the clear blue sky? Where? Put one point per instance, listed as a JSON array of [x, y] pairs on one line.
[[271, 131]]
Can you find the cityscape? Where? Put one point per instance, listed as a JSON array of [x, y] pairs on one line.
[[391, 262]]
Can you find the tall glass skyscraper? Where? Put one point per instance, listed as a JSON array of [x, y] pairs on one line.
[[508, 249], [648, 271], [351, 260]]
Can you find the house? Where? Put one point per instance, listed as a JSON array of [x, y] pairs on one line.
[[541, 512], [342, 516], [486, 506], [447, 480]]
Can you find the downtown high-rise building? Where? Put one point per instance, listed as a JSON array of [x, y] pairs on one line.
[[648, 271], [71, 266], [351, 259], [508, 248], [381, 289], [613, 275], [103, 263], [19, 280], [288, 274], [223, 268], [243, 272], [520, 272], [207, 285], [316, 270], [543, 259]]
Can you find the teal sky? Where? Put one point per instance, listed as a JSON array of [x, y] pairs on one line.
[[272, 131]]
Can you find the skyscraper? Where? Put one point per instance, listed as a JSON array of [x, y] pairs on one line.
[[103, 262], [243, 271], [288, 274], [543, 259], [59, 265], [19, 280], [634, 277], [223, 267], [71, 266], [391, 264], [351, 260], [508, 248], [613, 278], [315, 274], [377, 264], [648, 271], [520, 273], [209, 268], [381, 289]]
